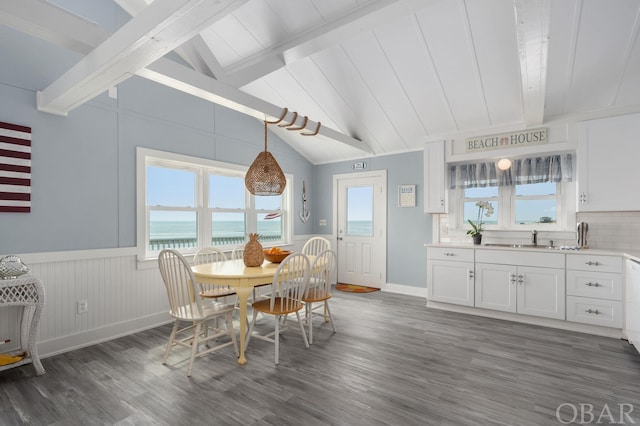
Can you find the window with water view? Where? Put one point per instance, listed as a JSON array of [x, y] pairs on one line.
[[192, 205]]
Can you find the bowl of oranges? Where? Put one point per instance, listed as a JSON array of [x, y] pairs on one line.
[[275, 254]]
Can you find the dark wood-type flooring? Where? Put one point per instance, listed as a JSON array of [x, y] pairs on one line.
[[392, 362]]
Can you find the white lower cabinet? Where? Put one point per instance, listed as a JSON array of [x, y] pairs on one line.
[[520, 283], [577, 287], [520, 289], [594, 289], [450, 275]]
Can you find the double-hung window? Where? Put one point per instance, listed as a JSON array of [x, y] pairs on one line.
[[532, 194], [187, 203]]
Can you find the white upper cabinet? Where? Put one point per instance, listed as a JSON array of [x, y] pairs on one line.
[[608, 159], [434, 178]]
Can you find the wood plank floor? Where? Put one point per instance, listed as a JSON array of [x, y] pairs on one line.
[[392, 362]]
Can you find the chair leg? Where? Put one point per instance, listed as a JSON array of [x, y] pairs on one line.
[[304, 333], [309, 318], [326, 307], [172, 337], [194, 346], [232, 333], [276, 337]]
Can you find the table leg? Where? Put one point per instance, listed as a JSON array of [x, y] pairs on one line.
[[243, 297]]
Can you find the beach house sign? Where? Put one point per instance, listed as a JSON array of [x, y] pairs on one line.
[[507, 140]]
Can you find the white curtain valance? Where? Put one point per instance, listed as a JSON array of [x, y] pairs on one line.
[[549, 168]]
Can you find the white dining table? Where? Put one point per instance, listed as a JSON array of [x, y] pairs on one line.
[[243, 279]]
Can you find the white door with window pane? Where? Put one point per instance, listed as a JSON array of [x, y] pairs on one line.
[[361, 218]]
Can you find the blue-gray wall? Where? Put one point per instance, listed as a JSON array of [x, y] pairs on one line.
[[408, 228]]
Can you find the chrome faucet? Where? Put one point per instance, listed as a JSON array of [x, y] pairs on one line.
[[534, 237]]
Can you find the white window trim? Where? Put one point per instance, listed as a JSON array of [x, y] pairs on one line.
[[565, 217], [145, 156]]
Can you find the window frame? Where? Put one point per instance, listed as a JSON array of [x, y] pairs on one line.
[[506, 209], [203, 169]]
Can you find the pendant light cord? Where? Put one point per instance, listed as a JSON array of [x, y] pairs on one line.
[[265, 136]]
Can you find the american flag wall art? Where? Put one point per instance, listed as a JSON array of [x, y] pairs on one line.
[[15, 168]]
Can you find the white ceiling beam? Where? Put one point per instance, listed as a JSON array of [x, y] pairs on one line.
[[532, 29], [158, 29], [195, 51], [367, 17], [51, 23], [179, 77], [43, 23]]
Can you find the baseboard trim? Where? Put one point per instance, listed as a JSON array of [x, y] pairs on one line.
[[405, 289], [91, 337], [527, 319]]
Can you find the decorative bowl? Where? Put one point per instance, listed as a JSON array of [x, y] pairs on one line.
[[276, 257], [12, 267]]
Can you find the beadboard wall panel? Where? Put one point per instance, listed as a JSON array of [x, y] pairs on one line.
[[121, 299]]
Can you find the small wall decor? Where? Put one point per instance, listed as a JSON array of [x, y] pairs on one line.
[[304, 213], [406, 195], [15, 165]]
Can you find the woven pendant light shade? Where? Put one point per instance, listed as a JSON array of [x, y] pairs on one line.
[[265, 176]]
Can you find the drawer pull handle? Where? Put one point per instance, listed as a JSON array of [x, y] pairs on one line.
[[449, 254], [593, 284], [591, 311], [590, 263]]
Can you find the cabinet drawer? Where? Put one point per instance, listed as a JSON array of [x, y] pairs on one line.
[[599, 263], [599, 285], [524, 258], [607, 313], [450, 253]]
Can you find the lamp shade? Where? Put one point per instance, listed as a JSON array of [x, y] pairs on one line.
[[265, 177]]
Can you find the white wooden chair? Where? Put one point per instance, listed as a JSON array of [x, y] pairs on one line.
[[315, 245], [237, 252], [322, 274], [212, 255], [186, 306], [289, 284]]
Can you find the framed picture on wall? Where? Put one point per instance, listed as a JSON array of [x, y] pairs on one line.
[[406, 195]]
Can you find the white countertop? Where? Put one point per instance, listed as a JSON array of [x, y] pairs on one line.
[[610, 252]]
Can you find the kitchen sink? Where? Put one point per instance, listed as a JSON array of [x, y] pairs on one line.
[[522, 246]]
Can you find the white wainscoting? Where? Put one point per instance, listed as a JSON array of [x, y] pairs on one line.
[[121, 299]]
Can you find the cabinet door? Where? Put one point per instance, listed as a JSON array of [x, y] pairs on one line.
[[541, 292], [496, 287], [450, 282], [434, 178], [632, 326], [607, 160]]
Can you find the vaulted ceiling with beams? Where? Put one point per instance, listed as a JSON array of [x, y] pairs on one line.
[[381, 76]]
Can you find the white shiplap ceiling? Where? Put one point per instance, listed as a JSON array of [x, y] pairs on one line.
[[382, 76]]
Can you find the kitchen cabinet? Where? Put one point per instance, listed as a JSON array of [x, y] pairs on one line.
[[450, 275], [632, 323], [524, 283], [434, 178], [607, 156], [594, 289]]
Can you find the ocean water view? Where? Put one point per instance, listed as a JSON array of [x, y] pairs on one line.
[[174, 229], [360, 228]]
